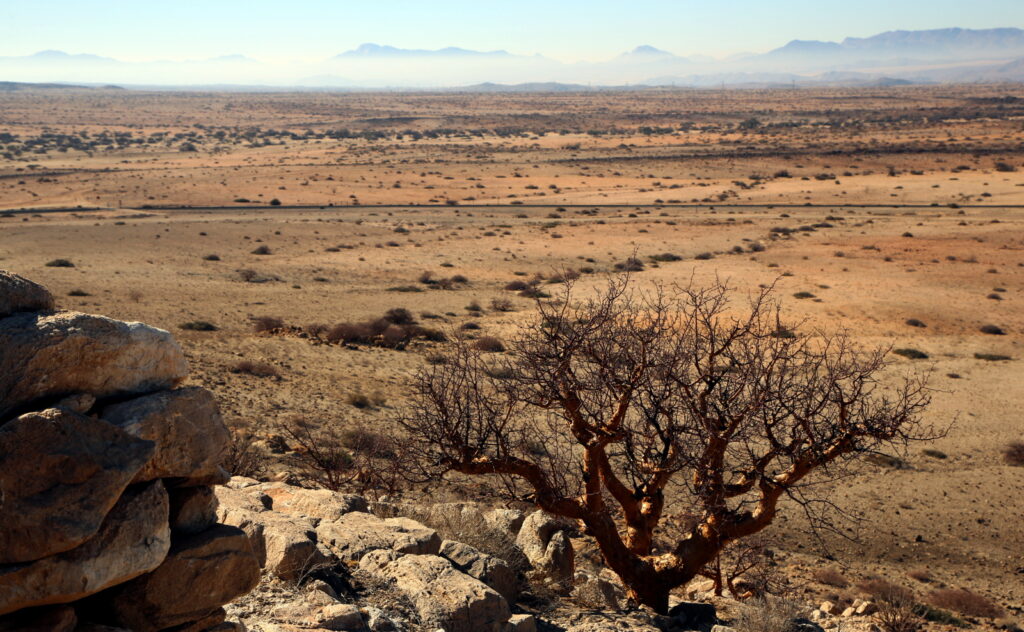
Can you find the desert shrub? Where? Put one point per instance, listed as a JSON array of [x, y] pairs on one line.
[[489, 344], [704, 256], [897, 612], [517, 286], [349, 333], [261, 250], [1013, 453], [920, 575], [256, 369], [399, 316], [360, 439], [830, 577], [326, 461], [803, 295], [60, 263], [243, 458], [436, 358], [768, 614], [1005, 167], [358, 399], [198, 325], [935, 454], [474, 307], [630, 265], [501, 305], [78, 293], [666, 257], [469, 326], [533, 292], [992, 357], [883, 589], [913, 322], [264, 324], [965, 602], [275, 202], [992, 330], [315, 330], [911, 354], [211, 258], [458, 278], [405, 288]]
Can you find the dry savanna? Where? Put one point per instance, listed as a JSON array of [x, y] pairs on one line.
[[342, 267]]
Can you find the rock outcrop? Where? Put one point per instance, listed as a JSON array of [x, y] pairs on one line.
[[108, 514]]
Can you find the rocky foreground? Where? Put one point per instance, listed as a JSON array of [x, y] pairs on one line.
[[115, 515]]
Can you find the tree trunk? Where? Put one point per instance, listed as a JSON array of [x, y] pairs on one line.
[[651, 592]]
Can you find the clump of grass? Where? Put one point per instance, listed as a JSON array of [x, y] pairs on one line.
[[405, 288], [198, 325], [263, 324], [704, 256], [935, 454], [489, 344], [501, 305], [965, 602], [60, 263], [1013, 453], [517, 286], [256, 369], [211, 258], [78, 293], [630, 265], [992, 330], [992, 357], [262, 250], [883, 589], [911, 354], [803, 295], [830, 577], [666, 257], [913, 322]]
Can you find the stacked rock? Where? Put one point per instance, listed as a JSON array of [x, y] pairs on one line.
[[108, 517]]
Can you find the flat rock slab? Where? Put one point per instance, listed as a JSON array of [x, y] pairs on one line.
[[18, 294], [443, 597], [200, 574], [316, 504], [51, 355], [60, 474], [355, 534], [133, 539], [186, 426]]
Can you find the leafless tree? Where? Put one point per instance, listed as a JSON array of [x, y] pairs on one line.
[[607, 407]]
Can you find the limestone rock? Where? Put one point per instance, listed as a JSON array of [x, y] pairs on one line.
[[355, 534], [443, 597], [133, 539], [597, 592], [489, 569], [60, 474], [290, 544], [336, 616], [315, 504], [522, 623], [201, 573], [184, 424], [543, 541], [193, 509], [50, 355], [18, 294]]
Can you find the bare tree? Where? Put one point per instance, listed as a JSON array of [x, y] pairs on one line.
[[606, 408]]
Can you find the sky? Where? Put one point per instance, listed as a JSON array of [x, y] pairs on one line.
[[566, 30]]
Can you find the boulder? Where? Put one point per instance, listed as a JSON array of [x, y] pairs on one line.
[[45, 619], [133, 539], [597, 592], [490, 570], [335, 616], [355, 534], [18, 294], [193, 509], [695, 615], [207, 623], [52, 355], [443, 597], [60, 474], [543, 540], [290, 544], [522, 623], [184, 424], [201, 573], [315, 504]]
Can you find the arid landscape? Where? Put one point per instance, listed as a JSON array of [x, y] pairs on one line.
[[250, 225]]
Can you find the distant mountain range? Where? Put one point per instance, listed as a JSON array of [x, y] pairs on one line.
[[892, 58]]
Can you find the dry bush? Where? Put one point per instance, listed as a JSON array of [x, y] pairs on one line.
[[501, 305], [1013, 453], [198, 325], [898, 613], [881, 589], [355, 459], [243, 458], [517, 286], [261, 250], [256, 369], [965, 602], [830, 577], [768, 614], [263, 324], [489, 344]]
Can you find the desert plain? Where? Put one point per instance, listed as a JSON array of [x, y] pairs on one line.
[[896, 214]]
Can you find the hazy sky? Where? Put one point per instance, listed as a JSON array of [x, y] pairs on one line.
[[568, 30]]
